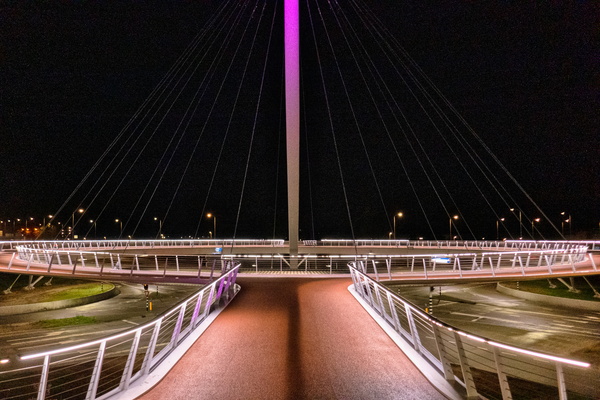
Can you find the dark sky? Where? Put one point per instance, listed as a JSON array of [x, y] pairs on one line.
[[523, 75]]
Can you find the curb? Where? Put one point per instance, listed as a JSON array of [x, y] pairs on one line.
[[550, 300], [56, 305]]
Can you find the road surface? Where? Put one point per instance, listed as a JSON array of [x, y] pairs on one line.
[[300, 338]]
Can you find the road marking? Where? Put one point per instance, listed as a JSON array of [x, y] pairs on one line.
[[477, 317], [129, 322], [564, 325]]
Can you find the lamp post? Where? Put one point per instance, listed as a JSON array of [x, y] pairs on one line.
[[520, 223], [568, 220], [120, 222], [454, 217], [214, 217], [498, 228], [533, 221], [159, 226], [397, 215], [93, 222], [80, 211], [49, 216]]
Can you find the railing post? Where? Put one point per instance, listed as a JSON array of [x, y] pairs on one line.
[[211, 295], [177, 329], [414, 334], [197, 309], [128, 371], [465, 368], [11, 260], [44, 378], [29, 261], [394, 312], [560, 378], [150, 349], [446, 366], [93, 387], [502, 378]]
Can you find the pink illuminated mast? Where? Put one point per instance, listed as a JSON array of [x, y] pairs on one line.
[[292, 112]]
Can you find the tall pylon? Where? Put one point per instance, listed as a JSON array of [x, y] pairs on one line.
[[292, 121]]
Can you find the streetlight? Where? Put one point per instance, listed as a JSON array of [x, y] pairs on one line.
[[214, 217], [159, 226], [455, 217], [49, 216], [533, 221], [568, 220], [399, 215], [94, 225], [520, 223], [120, 222], [498, 228], [80, 211]]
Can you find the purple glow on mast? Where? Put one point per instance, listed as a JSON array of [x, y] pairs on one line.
[[292, 110]]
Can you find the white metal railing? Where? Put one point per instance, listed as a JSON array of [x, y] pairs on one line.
[[152, 243], [427, 265], [101, 368], [465, 244], [464, 265], [485, 368]]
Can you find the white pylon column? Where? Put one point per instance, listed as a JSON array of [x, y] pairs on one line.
[[292, 120]]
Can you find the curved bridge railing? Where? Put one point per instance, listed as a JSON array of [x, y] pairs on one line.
[[485, 368], [119, 266], [107, 366], [497, 264], [146, 243], [429, 265]]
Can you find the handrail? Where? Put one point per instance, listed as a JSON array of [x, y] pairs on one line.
[[484, 367], [450, 262], [101, 368], [392, 243]]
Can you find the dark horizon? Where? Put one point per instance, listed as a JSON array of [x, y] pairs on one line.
[[522, 75]]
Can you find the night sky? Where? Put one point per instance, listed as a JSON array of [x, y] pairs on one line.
[[523, 75]]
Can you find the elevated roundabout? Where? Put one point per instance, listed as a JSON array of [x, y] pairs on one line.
[[458, 363]]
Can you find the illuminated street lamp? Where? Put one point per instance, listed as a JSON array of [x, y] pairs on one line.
[[80, 211], [533, 221], [120, 222], [498, 228], [520, 223], [455, 217], [159, 226], [214, 217], [568, 220], [397, 215], [49, 216], [93, 222]]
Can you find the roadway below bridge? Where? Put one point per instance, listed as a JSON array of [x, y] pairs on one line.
[[478, 308]]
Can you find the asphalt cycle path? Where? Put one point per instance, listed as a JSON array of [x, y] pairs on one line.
[[294, 338]]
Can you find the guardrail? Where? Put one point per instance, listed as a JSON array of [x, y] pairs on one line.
[[101, 368], [131, 243], [423, 266], [485, 368], [116, 266], [151, 243]]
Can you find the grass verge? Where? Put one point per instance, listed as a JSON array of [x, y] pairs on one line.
[[57, 323]]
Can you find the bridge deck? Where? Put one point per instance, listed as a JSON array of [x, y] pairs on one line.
[[294, 338]]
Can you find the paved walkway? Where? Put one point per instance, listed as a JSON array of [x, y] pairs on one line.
[[294, 338]]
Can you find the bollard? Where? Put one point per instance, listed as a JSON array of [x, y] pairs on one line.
[[429, 309]]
